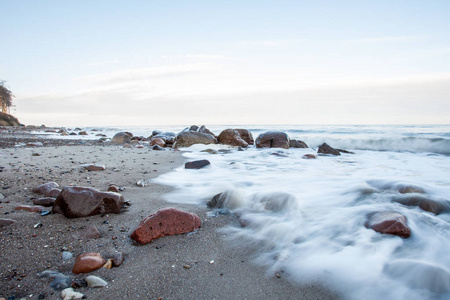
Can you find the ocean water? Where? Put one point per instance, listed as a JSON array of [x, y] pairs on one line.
[[306, 217]]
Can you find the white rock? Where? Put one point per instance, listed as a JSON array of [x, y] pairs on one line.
[[95, 281], [69, 293], [141, 183]]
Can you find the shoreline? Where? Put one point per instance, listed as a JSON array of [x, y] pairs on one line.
[[152, 271]]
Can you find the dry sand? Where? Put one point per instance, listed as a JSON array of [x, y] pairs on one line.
[[172, 267]]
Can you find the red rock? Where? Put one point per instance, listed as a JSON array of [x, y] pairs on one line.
[[272, 139], [157, 141], [88, 262], [34, 208], [389, 222], [43, 189], [76, 201], [47, 201], [53, 193], [6, 222], [167, 221], [90, 232]]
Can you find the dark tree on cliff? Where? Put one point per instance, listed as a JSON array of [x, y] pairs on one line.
[[5, 97]]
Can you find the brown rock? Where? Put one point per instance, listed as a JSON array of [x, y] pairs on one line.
[[327, 149], [389, 222], [47, 201], [157, 141], [189, 138], [82, 133], [34, 208], [53, 193], [113, 188], [167, 221], [93, 167], [167, 137], [121, 138], [6, 222], [90, 232], [309, 156], [8, 120], [43, 189], [272, 139], [88, 262], [297, 144], [434, 206], [118, 259], [246, 136], [75, 202], [231, 137], [203, 129]]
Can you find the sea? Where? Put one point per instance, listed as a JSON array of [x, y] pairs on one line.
[[305, 218]]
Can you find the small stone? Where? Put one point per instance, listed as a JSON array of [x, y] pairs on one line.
[[187, 267], [109, 264], [66, 255], [118, 259], [113, 188], [6, 222], [198, 164], [38, 225], [43, 189], [142, 183], [91, 232], [70, 294], [59, 280], [95, 281], [88, 262], [93, 167], [34, 208], [35, 154], [309, 156], [45, 212], [46, 201]]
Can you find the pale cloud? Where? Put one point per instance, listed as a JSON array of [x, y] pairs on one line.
[[390, 39], [270, 43], [102, 63], [206, 57]]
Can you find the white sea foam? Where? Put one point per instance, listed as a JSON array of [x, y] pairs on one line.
[[307, 216]]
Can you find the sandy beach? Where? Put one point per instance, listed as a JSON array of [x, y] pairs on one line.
[[198, 265]]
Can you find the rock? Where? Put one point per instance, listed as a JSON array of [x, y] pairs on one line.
[[210, 151], [82, 133], [203, 129], [158, 148], [66, 255], [113, 188], [53, 193], [128, 146], [189, 138], [108, 265], [118, 259], [34, 208], [309, 156], [198, 164], [34, 144], [8, 120], [59, 280], [272, 139], [246, 136], [121, 138], [193, 128], [167, 221], [95, 281], [76, 201], [156, 132], [297, 144], [327, 149], [434, 206], [93, 167], [45, 188], [6, 222], [90, 232], [47, 201], [157, 141], [142, 183], [231, 137], [168, 138], [70, 294], [389, 222], [88, 262], [228, 199]]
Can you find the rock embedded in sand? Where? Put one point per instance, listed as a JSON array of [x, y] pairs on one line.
[[93, 167], [90, 232], [118, 259], [327, 149], [231, 137], [189, 138], [34, 208], [45, 188], [198, 164], [70, 294], [95, 281], [6, 222], [389, 222], [158, 148], [113, 188], [121, 138], [88, 262], [76, 201], [272, 139], [157, 141], [167, 221], [46, 201]]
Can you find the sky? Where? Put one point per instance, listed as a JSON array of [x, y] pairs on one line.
[[180, 62]]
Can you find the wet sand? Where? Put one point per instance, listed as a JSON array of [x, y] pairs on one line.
[[199, 265]]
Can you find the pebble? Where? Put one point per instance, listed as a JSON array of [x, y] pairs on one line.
[[95, 281], [69, 294], [118, 259], [59, 280], [66, 255], [109, 264], [142, 183], [37, 225], [88, 262], [45, 212]]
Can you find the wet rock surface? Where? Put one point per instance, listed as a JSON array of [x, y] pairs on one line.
[[327, 149], [231, 137], [189, 138], [88, 262], [389, 222], [272, 139], [197, 164]]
